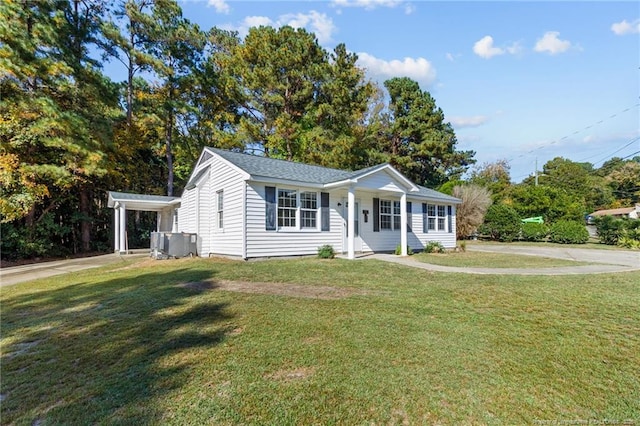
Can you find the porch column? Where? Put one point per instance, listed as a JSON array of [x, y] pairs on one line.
[[403, 224], [158, 220], [116, 228], [351, 223], [174, 220], [123, 229]]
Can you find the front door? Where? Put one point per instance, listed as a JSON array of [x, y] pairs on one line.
[[345, 215]]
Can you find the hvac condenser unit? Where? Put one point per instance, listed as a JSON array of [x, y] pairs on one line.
[[173, 244]]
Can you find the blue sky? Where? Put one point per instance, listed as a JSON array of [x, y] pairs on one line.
[[520, 81]]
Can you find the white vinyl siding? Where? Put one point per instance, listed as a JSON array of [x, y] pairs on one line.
[[287, 242]]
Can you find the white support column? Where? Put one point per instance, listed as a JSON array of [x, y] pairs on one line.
[[351, 224], [403, 224], [116, 228], [158, 220], [123, 229]]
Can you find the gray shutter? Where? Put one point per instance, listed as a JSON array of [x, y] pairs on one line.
[[425, 227], [325, 214], [450, 219], [376, 215], [409, 216], [270, 208]]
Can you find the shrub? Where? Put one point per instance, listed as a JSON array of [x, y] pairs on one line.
[[462, 246], [399, 248], [501, 223], [534, 231], [434, 247], [568, 232], [326, 252], [612, 230], [470, 213]]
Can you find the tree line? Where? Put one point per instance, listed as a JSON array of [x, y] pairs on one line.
[[69, 132]]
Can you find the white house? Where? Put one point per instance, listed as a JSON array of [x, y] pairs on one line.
[[251, 206]]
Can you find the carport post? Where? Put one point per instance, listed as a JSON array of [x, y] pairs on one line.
[[116, 228], [123, 229]]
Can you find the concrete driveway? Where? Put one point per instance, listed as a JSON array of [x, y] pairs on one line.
[[18, 274], [603, 261]]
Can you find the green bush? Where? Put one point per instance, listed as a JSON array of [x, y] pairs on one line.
[[618, 231], [501, 223], [326, 252], [434, 247], [534, 231], [398, 249], [568, 232]]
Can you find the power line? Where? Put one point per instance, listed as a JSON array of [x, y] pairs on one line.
[[616, 151], [574, 133]]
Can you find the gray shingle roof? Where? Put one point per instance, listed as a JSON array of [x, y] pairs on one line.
[[432, 194], [126, 196], [273, 168], [287, 170]]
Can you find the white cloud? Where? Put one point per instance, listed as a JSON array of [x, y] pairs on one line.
[[624, 27], [551, 44], [418, 69], [450, 57], [485, 49], [368, 4], [318, 23], [473, 121], [221, 6]]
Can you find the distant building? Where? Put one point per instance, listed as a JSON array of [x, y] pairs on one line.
[[630, 212]]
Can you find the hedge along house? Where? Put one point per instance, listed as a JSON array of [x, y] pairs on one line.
[[251, 206]]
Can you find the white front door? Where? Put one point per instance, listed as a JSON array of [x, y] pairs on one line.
[[345, 215]]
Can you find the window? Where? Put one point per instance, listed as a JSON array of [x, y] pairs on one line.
[[287, 208], [436, 216], [385, 214], [389, 215], [431, 217], [309, 210], [441, 217], [292, 209], [220, 196]]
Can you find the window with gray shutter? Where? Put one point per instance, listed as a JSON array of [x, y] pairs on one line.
[[450, 218], [376, 215], [425, 228], [409, 216], [270, 208], [325, 214]]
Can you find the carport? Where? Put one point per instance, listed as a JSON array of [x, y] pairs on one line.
[[166, 208]]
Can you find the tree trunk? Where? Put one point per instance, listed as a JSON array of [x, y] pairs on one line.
[[85, 221], [168, 137]]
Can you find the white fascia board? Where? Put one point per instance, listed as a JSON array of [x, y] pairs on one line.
[[287, 182], [346, 182], [242, 172]]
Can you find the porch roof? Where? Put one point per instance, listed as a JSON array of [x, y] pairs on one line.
[[142, 202]]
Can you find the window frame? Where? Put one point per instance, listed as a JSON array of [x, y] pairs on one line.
[[389, 213], [220, 208], [436, 217], [298, 217]]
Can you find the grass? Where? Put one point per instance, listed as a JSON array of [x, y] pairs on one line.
[[593, 243], [493, 260], [185, 342]]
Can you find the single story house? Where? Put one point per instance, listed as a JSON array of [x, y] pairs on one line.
[[250, 206], [629, 212]]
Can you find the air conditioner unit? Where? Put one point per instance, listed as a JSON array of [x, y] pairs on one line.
[[173, 244]]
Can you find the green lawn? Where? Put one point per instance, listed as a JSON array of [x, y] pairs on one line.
[[308, 341], [493, 260]]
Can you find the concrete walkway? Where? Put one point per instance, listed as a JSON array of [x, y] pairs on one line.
[[604, 261], [33, 271]]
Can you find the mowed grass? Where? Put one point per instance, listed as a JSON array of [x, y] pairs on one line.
[[309, 341], [493, 260]]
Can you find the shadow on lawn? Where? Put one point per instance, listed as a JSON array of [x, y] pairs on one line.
[[104, 352]]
